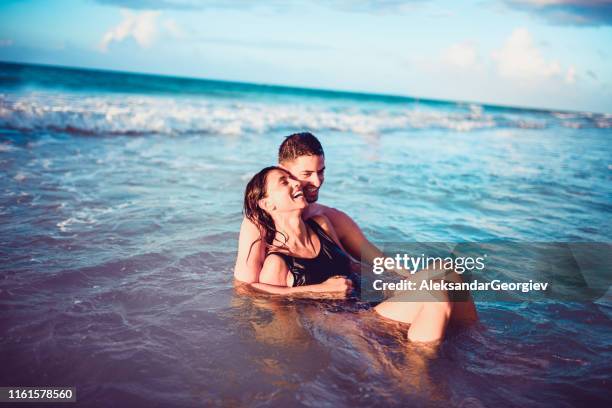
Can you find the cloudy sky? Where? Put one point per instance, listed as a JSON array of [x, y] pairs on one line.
[[533, 53]]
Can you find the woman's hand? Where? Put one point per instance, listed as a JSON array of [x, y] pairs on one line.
[[337, 285]]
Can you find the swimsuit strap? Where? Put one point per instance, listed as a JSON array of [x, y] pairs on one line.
[[309, 271], [320, 231], [324, 240]]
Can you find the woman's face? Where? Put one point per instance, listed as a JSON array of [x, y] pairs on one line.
[[283, 192]]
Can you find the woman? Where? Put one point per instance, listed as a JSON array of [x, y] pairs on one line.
[[305, 256]]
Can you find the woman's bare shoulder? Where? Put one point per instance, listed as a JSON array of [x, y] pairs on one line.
[[274, 261], [274, 271]]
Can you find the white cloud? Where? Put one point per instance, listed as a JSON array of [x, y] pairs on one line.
[[463, 55], [173, 28], [140, 26], [570, 76], [519, 58]]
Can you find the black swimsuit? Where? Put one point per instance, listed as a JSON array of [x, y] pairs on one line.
[[330, 261]]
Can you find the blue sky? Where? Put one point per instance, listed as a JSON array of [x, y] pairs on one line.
[[534, 53]]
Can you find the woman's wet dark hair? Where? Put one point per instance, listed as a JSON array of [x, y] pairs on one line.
[[255, 191]]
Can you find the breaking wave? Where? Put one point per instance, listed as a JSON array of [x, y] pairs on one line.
[[136, 115]]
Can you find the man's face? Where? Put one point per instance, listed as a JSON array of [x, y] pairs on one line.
[[310, 171]]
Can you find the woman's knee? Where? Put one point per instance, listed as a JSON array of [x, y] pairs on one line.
[[430, 325]]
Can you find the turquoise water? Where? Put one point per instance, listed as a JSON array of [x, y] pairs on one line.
[[121, 200]]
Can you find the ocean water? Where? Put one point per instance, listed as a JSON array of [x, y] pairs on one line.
[[119, 216]]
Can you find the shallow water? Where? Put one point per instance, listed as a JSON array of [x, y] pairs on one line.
[[119, 216]]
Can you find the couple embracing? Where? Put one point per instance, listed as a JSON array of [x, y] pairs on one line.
[[292, 245]]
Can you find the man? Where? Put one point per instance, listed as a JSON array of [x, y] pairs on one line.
[[302, 155]]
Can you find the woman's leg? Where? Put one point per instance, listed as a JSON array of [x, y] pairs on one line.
[[430, 324], [427, 319], [429, 313]]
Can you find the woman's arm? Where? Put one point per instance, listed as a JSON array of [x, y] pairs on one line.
[[273, 279], [337, 286]]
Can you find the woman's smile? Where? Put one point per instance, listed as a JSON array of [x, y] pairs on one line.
[[298, 194]]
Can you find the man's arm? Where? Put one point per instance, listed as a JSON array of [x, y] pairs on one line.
[[351, 237], [248, 266], [355, 242], [352, 240]]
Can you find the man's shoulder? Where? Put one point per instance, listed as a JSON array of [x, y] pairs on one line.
[[321, 219], [317, 209], [339, 219]]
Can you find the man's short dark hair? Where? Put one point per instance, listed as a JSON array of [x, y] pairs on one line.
[[299, 144]]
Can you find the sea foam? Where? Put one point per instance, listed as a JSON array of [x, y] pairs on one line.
[[136, 115]]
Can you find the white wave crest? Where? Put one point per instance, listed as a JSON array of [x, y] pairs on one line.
[[128, 114]]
